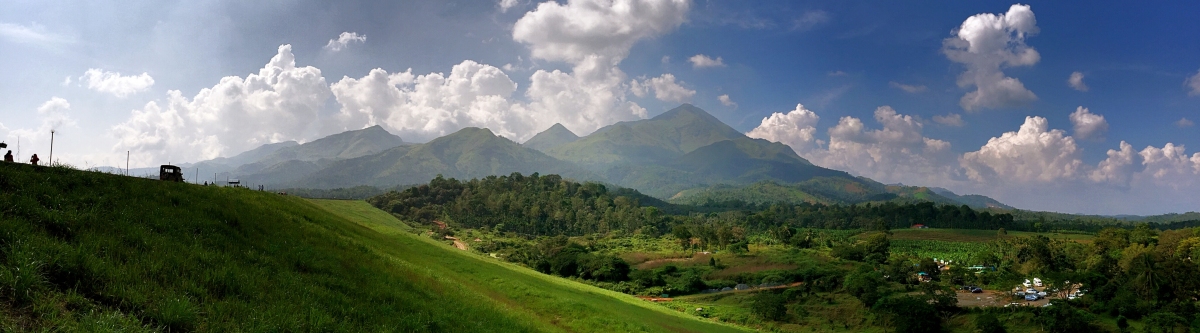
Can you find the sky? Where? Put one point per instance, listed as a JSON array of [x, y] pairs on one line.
[[1043, 105]]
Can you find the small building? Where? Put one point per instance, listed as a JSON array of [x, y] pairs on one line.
[[924, 277], [920, 226]]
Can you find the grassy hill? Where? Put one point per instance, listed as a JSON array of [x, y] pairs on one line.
[[84, 251]]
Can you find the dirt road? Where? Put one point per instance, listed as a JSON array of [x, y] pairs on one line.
[[457, 243]]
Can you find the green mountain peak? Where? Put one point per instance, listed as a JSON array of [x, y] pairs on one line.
[[554, 136]]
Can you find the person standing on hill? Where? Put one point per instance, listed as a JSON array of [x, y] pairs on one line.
[[8, 157], [33, 159]]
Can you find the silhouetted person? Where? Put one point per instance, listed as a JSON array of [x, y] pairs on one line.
[[33, 159], [8, 157]]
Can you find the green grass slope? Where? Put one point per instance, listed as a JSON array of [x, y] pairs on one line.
[[570, 305], [91, 252]]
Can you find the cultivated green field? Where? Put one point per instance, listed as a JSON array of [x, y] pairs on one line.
[[92, 252], [960, 245]]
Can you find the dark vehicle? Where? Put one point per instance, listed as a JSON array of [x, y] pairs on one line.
[[976, 290], [170, 173]]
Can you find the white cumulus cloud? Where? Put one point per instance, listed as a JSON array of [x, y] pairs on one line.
[[345, 39], [1034, 153], [897, 152], [114, 83], [665, 89], [952, 120], [423, 107], [505, 5], [703, 61], [595, 29], [1170, 165], [985, 43], [726, 101], [280, 102], [1076, 81], [1088, 125], [1193, 84], [796, 128], [1117, 168], [594, 36]]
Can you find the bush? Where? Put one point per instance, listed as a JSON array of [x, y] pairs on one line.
[[769, 305], [909, 314], [988, 323]]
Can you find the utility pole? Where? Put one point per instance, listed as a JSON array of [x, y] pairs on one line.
[[51, 148], [197, 180], [126, 163]]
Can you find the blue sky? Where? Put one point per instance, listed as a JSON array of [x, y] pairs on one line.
[[184, 81]]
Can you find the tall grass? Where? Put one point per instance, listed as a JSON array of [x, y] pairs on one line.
[[92, 252], [85, 251]]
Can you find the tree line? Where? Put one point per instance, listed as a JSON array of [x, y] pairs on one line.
[[549, 205]]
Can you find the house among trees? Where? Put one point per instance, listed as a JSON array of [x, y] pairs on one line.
[[920, 226]]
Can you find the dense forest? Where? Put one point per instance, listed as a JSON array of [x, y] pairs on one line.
[[550, 205]]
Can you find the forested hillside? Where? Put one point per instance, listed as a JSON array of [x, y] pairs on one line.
[[550, 205], [825, 267]]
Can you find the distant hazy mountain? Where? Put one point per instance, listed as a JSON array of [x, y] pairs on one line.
[[972, 200], [250, 156], [681, 149], [468, 153], [343, 145], [554, 136], [684, 154], [656, 140]]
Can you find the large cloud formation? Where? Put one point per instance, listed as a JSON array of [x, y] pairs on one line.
[[594, 36], [281, 102], [1034, 167], [1033, 153], [985, 43], [591, 36], [422, 107], [796, 128], [1088, 125], [285, 102], [898, 152]]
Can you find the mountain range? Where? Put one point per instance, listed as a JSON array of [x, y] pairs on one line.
[[684, 155]]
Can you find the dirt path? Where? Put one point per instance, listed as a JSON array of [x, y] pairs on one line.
[[752, 289], [457, 243]]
